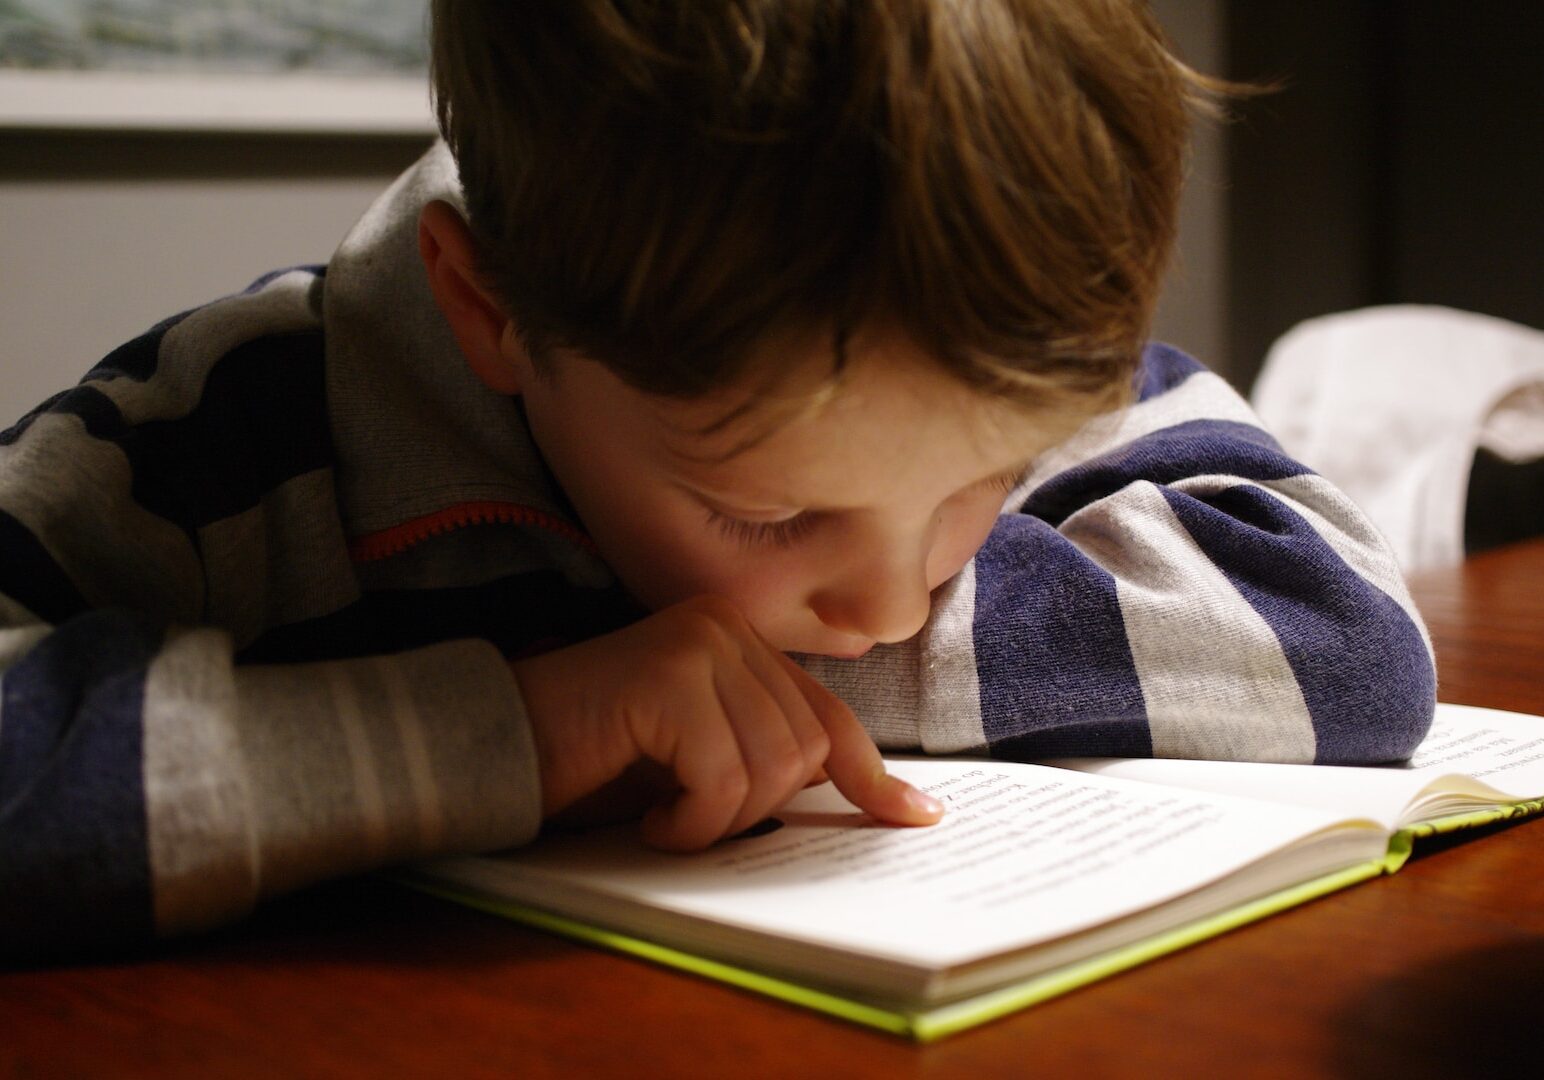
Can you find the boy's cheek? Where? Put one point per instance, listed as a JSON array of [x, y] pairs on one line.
[[664, 567], [957, 547], [763, 588], [666, 554]]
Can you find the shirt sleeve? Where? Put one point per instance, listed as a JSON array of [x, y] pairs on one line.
[[154, 521], [1167, 583]]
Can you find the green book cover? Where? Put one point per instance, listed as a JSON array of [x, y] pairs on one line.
[[1041, 878], [923, 1024]]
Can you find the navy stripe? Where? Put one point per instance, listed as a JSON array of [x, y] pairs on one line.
[[1363, 667], [1055, 667], [74, 869], [262, 420], [32, 578], [98, 413], [518, 614], [137, 359], [1178, 452], [14, 432], [1163, 368], [95, 409]]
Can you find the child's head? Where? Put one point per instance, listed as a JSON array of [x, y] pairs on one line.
[[662, 185], [699, 207]]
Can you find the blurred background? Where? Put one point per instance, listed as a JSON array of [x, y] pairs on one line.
[[1402, 161]]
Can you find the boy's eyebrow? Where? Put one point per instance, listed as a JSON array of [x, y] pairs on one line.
[[725, 498]]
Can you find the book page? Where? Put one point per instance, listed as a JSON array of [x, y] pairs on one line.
[[1506, 750], [1493, 757], [1025, 854]]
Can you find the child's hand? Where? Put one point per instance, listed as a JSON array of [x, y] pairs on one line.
[[738, 726]]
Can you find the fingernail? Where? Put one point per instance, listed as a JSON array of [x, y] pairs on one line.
[[921, 800]]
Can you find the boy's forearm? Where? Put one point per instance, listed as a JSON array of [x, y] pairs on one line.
[[356, 764], [167, 791], [1179, 588]]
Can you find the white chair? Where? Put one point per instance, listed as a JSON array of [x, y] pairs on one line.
[[1392, 404]]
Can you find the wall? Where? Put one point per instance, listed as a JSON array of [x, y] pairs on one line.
[[1399, 163], [1193, 311], [103, 235]]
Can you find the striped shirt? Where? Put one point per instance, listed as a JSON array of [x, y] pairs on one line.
[[264, 566]]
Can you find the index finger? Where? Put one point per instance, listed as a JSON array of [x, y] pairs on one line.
[[854, 764]]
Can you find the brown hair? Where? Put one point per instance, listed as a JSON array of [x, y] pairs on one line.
[[664, 185]]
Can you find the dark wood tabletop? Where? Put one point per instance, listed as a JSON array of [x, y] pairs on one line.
[[1435, 971]]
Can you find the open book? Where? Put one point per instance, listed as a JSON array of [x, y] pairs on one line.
[[1041, 878]]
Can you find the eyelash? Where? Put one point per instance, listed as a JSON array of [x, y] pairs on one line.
[[786, 533], [758, 533], [1006, 482]]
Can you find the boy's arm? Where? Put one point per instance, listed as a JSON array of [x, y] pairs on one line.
[[149, 783], [149, 786], [1171, 584]]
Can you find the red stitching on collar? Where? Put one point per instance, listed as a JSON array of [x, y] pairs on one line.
[[397, 539]]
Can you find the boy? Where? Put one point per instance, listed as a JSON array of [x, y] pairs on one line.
[[732, 330]]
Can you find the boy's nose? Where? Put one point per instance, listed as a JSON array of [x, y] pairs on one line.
[[879, 603]]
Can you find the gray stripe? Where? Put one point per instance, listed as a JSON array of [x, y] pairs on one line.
[[478, 786], [1336, 520], [304, 772], [363, 762], [882, 689], [196, 345], [203, 852], [417, 758], [1205, 697], [373, 833], [86, 518], [919, 694], [1202, 395], [1342, 525], [16, 643], [13, 614], [282, 561], [950, 721]]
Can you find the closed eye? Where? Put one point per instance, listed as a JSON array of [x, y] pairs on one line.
[[784, 533], [789, 531], [1002, 484], [1005, 482]]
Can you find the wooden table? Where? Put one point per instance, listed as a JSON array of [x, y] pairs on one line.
[[1433, 972]]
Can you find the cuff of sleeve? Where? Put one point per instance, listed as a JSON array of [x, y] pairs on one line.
[[881, 689], [343, 767], [921, 694], [360, 763]]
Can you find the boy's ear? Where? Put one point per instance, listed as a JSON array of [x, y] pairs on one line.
[[482, 329]]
